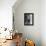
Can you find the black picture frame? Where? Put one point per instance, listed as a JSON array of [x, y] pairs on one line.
[[28, 18]]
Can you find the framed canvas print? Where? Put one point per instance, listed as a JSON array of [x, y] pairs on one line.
[[28, 18]]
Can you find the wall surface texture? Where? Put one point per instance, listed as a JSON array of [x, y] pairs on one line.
[[29, 32], [43, 22], [6, 13]]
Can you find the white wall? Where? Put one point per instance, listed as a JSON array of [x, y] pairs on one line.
[[30, 32], [6, 13], [43, 22]]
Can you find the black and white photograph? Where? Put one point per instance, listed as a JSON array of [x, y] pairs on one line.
[[28, 18]]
